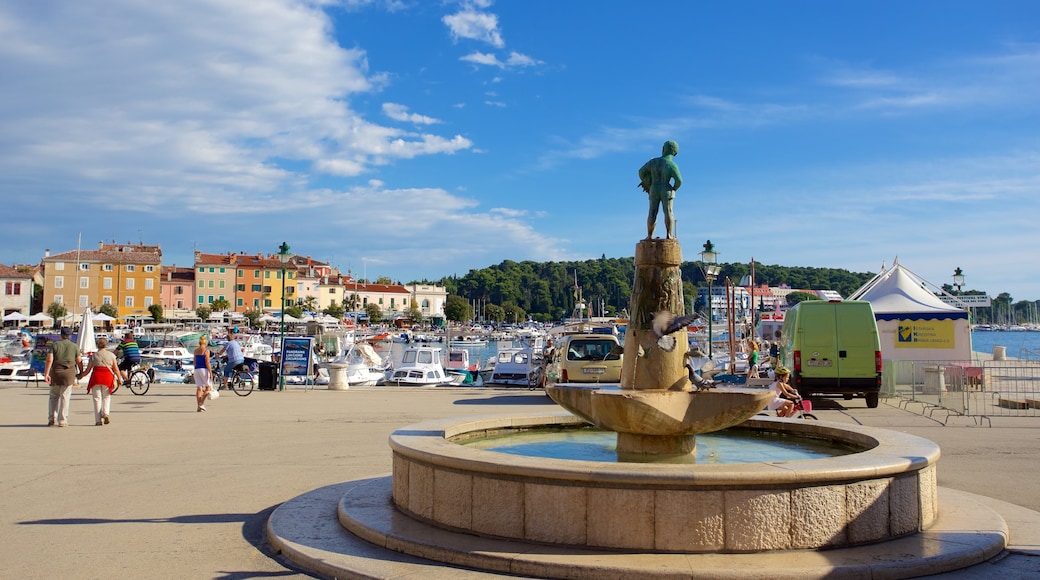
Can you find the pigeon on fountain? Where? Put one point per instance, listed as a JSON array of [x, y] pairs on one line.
[[666, 324]]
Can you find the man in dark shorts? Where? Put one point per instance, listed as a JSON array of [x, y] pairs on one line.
[[131, 354]]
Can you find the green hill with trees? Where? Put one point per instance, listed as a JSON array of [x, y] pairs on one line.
[[510, 291]]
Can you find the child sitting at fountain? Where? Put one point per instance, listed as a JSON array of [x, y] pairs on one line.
[[782, 394]]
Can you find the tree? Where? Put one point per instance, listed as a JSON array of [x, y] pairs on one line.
[[295, 311], [335, 310], [414, 312], [203, 311], [384, 280], [514, 313], [253, 315], [110, 310], [309, 303], [374, 313], [155, 310], [457, 309], [796, 297], [495, 313], [57, 311], [219, 304]]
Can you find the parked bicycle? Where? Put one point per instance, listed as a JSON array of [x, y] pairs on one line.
[[241, 380], [139, 380]]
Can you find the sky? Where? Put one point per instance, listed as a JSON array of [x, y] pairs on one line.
[[416, 139]]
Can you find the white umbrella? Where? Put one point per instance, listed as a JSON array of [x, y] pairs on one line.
[[15, 316], [267, 318], [290, 318], [102, 317], [41, 317], [86, 342]]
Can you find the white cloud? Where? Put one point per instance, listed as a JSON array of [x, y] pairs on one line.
[[471, 24], [400, 113], [488, 59], [159, 102]]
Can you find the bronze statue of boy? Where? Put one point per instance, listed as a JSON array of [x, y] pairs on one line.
[[660, 178]]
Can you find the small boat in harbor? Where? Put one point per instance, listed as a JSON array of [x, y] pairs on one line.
[[459, 364], [421, 366], [364, 366], [517, 367]]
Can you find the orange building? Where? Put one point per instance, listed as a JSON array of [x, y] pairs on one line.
[[123, 275]]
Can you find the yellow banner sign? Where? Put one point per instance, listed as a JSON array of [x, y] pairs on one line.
[[925, 334]]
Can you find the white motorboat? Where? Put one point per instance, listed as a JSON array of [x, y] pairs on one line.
[[175, 356], [421, 366], [459, 364], [364, 365], [517, 367]]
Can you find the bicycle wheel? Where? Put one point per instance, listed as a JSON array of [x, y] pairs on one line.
[[809, 416], [139, 383], [242, 384]]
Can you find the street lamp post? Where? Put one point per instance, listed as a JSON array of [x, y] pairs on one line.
[[283, 257], [958, 282], [958, 279], [711, 271]]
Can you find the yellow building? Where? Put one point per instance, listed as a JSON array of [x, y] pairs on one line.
[[123, 275]]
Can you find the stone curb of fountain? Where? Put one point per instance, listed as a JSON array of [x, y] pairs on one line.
[[965, 537]]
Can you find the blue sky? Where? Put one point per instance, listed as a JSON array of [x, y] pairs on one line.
[[417, 139]]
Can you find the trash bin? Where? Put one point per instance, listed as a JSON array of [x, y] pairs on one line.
[[268, 376]]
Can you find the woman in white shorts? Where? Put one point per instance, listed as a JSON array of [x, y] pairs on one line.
[[203, 374]]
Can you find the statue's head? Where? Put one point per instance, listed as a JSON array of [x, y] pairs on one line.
[[670, 148]]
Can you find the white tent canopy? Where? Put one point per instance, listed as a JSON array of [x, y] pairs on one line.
[[41, 317], [15, 316], [915, 325]]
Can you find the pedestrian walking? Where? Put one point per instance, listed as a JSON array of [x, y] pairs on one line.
[[60, 371], [104, 372]]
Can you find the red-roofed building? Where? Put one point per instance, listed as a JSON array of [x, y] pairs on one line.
[[177, 292], [16, 287], [123, 275]]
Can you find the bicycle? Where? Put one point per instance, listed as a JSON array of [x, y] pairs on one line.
[[139, 379], [803, 410], [241, 380]]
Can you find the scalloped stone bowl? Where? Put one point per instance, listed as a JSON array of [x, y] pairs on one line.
[[885, 490]]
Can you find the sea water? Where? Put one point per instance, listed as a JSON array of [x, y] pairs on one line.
[[1019, 344]]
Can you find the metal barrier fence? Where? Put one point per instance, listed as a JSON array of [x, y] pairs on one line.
[[981, 390]]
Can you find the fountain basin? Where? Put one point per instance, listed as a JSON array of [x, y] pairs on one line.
[[885, 491]]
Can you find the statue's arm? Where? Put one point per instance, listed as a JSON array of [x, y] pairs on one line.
[[676, 178], [645, 178]]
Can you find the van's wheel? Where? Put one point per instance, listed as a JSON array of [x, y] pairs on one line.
[[872, 400]]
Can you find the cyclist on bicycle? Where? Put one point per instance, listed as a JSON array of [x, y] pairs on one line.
[[235, 356], [784, 395], [131, 354]]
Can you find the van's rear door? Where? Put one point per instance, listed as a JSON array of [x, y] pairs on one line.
[[857, 343], [819, 343]]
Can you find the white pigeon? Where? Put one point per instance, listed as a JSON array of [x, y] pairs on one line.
[[665, 324]]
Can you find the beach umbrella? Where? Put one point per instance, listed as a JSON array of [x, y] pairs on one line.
[[15, 316], [86, 342], [41, 317], [102, 317]]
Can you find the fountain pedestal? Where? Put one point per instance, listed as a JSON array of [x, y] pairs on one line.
[[656, 413]]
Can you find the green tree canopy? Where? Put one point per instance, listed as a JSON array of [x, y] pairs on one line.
[[203, 311], [457, 309], [155, 310]]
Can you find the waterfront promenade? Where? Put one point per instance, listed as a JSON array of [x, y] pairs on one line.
[[165, 492]]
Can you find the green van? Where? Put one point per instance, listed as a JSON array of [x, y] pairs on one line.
[[833, 348]]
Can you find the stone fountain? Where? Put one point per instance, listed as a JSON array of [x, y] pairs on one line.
[[657, 411], [873, 512]]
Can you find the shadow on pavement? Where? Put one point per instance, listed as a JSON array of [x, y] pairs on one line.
[[536, 398]]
